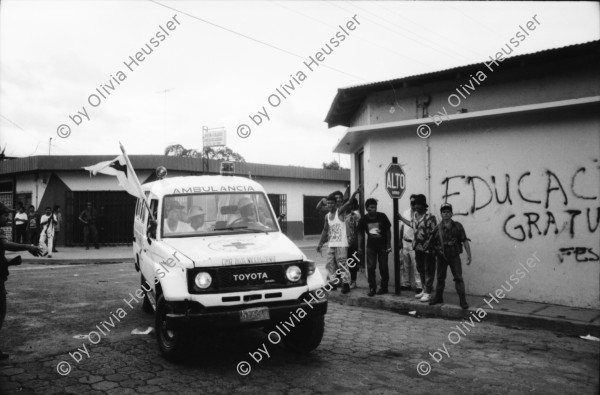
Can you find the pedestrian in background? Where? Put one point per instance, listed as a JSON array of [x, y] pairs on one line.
[[33, 226], [48, 223], [89, 217], [408, 270], [423, 223], [379, 244], [21, 225], [58, 226], [351, 220], [6, 245], [447, 242]]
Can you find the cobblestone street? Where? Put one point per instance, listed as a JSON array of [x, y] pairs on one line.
[[363, 350]]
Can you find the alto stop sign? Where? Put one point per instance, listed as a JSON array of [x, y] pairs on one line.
[[395, 181]]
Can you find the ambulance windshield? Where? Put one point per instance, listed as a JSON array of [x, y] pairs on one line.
[[205, 214]]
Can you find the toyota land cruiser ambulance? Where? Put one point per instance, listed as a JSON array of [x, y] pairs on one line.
[[215, 257]]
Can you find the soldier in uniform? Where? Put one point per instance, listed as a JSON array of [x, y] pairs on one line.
[[447, 241]]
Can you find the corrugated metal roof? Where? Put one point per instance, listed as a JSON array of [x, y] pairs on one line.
[[348, 100], [173, 163]]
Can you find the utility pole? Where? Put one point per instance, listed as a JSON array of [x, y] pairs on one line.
[[49, 145]]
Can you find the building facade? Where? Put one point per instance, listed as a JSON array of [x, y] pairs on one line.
[[514, 149], [44, 181]]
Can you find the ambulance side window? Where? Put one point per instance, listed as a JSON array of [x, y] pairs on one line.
[[153, 224]]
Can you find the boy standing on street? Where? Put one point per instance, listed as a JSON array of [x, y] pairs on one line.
[[423, 224], [408, 269], [447, 241], [379, 244], [334, 231]]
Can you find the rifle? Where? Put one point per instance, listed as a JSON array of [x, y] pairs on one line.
[[437, 229]]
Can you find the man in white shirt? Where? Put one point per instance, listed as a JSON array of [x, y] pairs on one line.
[[408, 269], [197, 217], [47, 222], [21, 219], [173, 223]]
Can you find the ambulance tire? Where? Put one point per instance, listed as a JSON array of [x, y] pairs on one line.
[[173, 343], [307, 335]]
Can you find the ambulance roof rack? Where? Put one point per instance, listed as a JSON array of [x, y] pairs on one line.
[[227, 168]]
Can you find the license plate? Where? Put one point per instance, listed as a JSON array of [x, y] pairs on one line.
[[255, 314]]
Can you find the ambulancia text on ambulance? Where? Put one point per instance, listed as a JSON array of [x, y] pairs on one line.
[[215, 257]]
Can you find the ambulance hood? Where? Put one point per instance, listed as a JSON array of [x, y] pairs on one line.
[[240, 249]]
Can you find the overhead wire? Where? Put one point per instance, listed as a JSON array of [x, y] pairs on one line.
[[424, 27], [254, 39], [357, 37], [398, 33]]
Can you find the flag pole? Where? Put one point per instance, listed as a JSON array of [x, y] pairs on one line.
[[137, 181]]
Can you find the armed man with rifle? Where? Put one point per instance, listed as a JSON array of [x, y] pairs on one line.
[[447, 242]]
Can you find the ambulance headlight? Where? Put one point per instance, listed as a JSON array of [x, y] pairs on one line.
[[293, 273], [203, 280]]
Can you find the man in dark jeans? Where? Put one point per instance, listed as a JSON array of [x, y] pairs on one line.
[[89, 218], [6, 245], [379, 244], [423, 224], [447, 241]]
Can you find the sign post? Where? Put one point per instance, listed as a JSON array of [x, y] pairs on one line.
[[395, 184], [215, 137]]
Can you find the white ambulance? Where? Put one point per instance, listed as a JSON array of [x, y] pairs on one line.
[[215, 257]]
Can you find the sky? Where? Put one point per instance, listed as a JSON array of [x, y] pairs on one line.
[[68, 63]]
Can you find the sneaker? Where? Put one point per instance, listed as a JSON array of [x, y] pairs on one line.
[[405, 288], [49, 255], [426, 297], [353, 284], [345, 288], [382, 291], [419, 293], [371, 293]]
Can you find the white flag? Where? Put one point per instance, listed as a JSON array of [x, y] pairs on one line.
[[118, 168]]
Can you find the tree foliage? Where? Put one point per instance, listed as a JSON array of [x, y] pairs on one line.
[[223, 153], [333, 165]]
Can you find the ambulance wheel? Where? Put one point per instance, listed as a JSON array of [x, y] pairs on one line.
[[307, 335], [172, 342]]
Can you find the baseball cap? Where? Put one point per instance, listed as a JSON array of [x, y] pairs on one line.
[[196, 211], [446, 206]]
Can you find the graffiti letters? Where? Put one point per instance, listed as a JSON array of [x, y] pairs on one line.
[[540, 204]]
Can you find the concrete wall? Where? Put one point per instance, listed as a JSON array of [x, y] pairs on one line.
[[295, 190], [554, 155], [497, 89]]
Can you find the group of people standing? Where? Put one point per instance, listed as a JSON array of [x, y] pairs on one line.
[[427, 247], [36, 229]]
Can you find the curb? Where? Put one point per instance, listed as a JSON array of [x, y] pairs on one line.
[[453, 312]]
